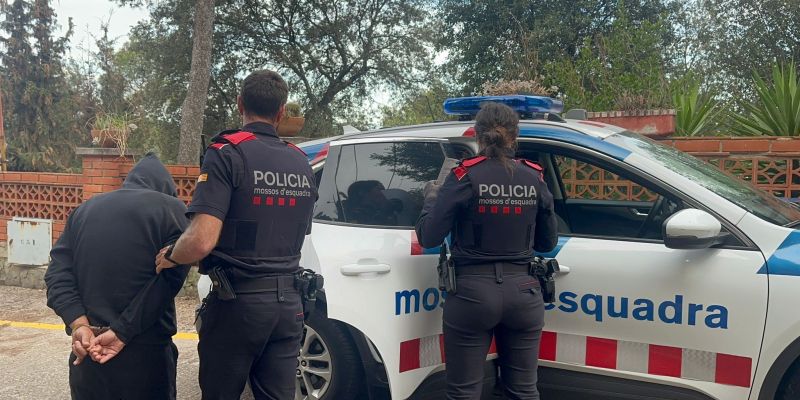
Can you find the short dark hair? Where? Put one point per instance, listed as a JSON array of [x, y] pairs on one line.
[[263, 93]]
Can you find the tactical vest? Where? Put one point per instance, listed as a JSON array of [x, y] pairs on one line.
[[270, 207], [500, 222]]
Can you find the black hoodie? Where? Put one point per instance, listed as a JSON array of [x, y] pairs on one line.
[[103, 264]]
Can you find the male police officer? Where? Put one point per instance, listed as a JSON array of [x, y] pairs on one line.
[[250, 213]]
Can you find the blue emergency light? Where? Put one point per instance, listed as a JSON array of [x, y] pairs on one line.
[[522, 104]]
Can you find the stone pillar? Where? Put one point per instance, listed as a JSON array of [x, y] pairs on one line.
[[104, 169]]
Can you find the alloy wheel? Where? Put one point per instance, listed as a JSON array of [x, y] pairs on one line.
[[315, 369]]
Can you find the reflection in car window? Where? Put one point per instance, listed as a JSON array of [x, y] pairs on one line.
[[379, 183], [746, 196]]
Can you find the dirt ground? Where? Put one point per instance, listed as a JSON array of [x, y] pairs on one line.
[[33, 359]]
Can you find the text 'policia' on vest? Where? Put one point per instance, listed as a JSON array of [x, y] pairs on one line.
[[503, 216], [272, 195]]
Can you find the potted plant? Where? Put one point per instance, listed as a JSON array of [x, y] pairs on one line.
[[112, 130], [292, 121]]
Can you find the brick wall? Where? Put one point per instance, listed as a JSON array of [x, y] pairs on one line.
[[54, 196], [738, 146]]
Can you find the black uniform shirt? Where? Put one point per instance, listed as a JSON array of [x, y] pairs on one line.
[[457, 199], [272, 248]]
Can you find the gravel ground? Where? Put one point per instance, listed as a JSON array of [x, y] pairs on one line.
[[33, 362]]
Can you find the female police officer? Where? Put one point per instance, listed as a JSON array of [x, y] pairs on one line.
[[499, 211]]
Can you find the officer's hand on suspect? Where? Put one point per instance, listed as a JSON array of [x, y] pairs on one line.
[[431, 191], [105, 347], [161, 260], [82, 337]]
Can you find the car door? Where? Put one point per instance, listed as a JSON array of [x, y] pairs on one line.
[[631, 309], [377, 277]]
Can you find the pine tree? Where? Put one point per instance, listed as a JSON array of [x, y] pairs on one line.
[[41, 129]]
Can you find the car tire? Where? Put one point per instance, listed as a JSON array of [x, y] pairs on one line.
[[329, 362], [789, 389]]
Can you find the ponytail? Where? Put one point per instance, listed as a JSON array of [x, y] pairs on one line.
[[497, 129]]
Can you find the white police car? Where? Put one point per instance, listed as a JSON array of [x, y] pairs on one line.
[[678, 281]]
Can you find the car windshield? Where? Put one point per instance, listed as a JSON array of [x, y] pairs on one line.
[[745, 195]]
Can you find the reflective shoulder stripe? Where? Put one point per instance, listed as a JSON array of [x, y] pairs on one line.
[[533, 165], [238, 137], [469, 162], [217, 146], [463, 167]]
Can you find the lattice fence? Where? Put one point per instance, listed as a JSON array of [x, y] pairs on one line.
[[777, 175], [49, 201], [186, 185], [585, 181]]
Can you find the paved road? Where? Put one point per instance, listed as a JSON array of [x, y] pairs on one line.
[[33, 352]]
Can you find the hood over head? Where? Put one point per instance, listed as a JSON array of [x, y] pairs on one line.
[[149, 173]]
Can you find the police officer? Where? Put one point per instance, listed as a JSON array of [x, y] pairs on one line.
[[499, 210], [250, 213]]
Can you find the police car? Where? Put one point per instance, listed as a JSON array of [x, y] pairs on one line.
[[677, 280]]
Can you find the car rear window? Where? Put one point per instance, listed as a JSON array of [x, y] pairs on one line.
[[378, 184]]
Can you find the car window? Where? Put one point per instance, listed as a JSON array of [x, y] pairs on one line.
[[599, 202], [756, 201], [378, 184], [594, 200]]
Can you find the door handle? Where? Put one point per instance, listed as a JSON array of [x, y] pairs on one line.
[[638, 213], [363, 267]]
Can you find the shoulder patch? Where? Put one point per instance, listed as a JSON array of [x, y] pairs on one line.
[[469, 162], [239, 137], [294, 146], [533, 165], [460, 171]]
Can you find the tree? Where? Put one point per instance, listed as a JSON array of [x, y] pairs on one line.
[[420, 106], [330, 50], [624, 69], [489, 40], [738, 36], [41, 122], [199, 75]]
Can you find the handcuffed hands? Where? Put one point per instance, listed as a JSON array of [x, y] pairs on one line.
[[161, 261], [105, 347], [82, 338]]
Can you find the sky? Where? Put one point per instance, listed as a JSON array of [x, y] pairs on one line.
[[88, 15]]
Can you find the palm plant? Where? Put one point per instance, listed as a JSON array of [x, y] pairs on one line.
[[695, 114], [778, 110]]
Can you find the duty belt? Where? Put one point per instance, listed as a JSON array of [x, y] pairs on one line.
[[266, 284], [492, 269]]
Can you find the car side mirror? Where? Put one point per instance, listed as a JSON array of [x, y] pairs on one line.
[[692, 229]]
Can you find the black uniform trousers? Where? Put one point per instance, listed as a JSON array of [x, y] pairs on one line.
[[512, 312], [139, 371], [255, 336]]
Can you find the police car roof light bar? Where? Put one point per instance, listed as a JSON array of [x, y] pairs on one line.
[[470, 106]]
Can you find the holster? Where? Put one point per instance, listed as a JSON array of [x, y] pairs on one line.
[[221, 284], [446, 271], [308, 283], [544, 272]]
